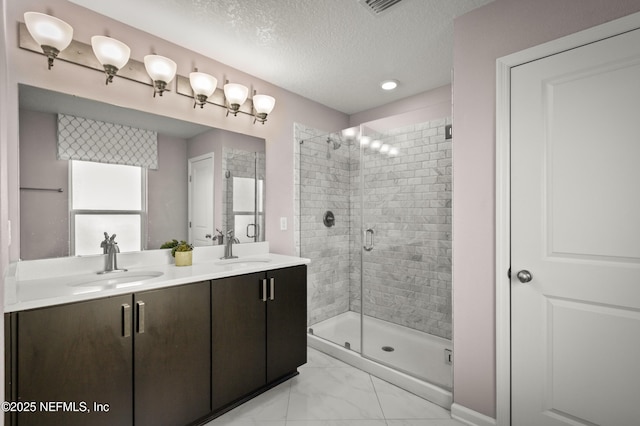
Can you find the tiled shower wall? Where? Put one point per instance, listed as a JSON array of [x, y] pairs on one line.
[[324, 186], [407, 276], [407, 203]]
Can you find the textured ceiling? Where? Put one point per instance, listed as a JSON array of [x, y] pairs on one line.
[[335, 52]]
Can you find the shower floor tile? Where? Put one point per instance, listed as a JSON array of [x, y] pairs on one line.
[[329, 392]]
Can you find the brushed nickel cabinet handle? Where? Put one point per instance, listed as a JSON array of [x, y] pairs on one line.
[[140, 307], [272, 294], [126, 320], [264, 290]]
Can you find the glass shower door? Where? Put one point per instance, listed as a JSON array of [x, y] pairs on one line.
[[406, 250]]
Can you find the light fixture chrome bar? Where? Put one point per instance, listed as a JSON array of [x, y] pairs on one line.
[[82, 54]]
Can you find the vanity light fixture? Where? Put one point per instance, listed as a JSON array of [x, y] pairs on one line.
[[389, 84], [43, 33], [203, 86], [376, 145], [365, 141], [393, 152], [161, 70], [112, 54], [235, 95], [384, 149], [262, 106], [52, 34]]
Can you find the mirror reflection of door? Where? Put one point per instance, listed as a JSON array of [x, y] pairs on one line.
[[201, 200]]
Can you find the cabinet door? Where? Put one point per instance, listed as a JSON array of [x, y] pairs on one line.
[[238, 337], [77, 354], [172, 370], [287, 319]]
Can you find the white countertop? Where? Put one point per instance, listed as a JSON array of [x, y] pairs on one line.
[[41, 283]]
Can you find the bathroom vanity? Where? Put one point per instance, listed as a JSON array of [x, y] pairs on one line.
[[156, 345]]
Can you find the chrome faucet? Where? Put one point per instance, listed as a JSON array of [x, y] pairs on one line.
[[219, 237], [228, 248], [111, 249]]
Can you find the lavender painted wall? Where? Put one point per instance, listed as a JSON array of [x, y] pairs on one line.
[[44, 235], [167, 193], [481, 36], [420, 108]]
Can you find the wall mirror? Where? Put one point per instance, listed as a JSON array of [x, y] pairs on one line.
[[50, 224]]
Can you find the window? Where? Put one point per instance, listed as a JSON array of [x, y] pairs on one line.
[[106, 198]]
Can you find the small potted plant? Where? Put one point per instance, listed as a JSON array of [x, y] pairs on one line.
[[182, 251]]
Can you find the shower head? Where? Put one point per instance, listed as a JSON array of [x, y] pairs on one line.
[[336, 143]]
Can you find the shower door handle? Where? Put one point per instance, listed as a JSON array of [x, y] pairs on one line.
[[368, 236], [254, 230]]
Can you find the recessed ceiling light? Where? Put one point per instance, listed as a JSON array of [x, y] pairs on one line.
[[389, 84]]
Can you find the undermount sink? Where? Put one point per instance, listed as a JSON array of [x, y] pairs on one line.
[[118, 279]]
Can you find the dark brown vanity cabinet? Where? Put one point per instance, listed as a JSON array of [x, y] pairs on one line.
[[74, 354], [258, 331], [172, 355], [140, 359]]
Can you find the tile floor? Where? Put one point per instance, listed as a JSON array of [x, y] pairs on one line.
[[329, 392]]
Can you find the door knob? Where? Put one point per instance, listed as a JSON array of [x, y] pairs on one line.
[[524, 276]]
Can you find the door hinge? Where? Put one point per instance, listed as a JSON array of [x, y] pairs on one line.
[[448, 131], [189, 178], [509, 273], [448, 356], [189, 224]]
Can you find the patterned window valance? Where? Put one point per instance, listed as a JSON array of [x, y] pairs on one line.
[[89, 140]]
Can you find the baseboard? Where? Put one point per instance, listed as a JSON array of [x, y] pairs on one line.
[[471, 417]]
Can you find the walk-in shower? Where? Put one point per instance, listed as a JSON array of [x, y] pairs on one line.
[[380, 276]]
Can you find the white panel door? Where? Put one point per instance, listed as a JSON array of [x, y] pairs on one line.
[[575, 179], [201, 200]]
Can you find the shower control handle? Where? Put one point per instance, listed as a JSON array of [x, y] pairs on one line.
[[524, 276], [368, 235]]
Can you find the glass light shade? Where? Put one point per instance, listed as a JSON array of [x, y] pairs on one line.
[[375, 145], [160, 68], [384, 148], [202, 83], [263, 104], [393, 152], [365, 141], [48, 31], [110, 51], [350, 133], [235, 93]]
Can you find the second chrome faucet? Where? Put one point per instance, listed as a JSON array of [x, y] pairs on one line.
[[228, 248], [111, 249]]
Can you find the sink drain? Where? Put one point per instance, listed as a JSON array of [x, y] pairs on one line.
[[388, 348]]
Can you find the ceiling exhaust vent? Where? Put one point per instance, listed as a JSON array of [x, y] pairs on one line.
[[378, 7]]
